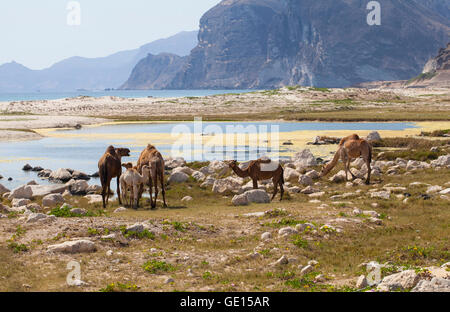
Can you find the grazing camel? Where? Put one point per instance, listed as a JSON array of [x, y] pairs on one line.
[[151, 157], [351, 148], [261, 169], [109, 167], [131, 182]]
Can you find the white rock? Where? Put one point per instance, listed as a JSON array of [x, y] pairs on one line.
[[93, 199], [187, 199], [120, 209], [290, 174], [227, 185], [403, 280], [443, 161], [240, 200], [257, 196], [266, 236], [374, 136], [79, 211], [19, 202], [72, 247], [44, 190], [282, 261], [286, 231], [305, 180], [381, 194], [437, 284], [307, 269], [136, 228], [34, 217], [52, 200], [24, 191], [361, 282], [178, 177], [434, 189], [198, 176], [61, 175]]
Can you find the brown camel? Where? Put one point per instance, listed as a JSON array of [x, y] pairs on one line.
[[261, 169], [109, 167], [152, 158], [351, 148]]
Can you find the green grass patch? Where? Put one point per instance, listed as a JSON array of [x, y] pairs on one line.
[[154, 267]]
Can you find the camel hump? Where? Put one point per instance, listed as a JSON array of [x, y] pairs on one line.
[[265, 160]]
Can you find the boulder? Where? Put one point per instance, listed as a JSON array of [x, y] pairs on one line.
[[266, 236], [338, 177], [178, 177], [120, 209], [381, 195], [313, 174], [437, 284], [198, 176], [60, 175], [286, 231], [226, 186], [52, 200], [93, 199], [240, 200], [304, 159], [305, 180], [19, 202], [374, 136], [282, 261], [434, 189], [185, 170], [79, 211], [403, 280], [35, 217], [361, 282], [27, 167], [171, 163], [78, 187], [34, 207], [3, 190], [257, 196], [136, 228], [78, 175], [443, 161], [24, 191], [44, 173], [94, 189], [44, 190], [290, 174], [73, 247]]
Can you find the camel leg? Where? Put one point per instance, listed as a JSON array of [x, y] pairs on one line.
[[104, 196], [150, 191], [135, 196], [163, 189], [156, 193], [118, 189], [281, 189], [369, 171], [255, 184], [348, 166], [275, 188]]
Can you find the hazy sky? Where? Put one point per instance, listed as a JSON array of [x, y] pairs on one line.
[[36, 33]]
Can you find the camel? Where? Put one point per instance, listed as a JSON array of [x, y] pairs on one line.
[[261, 169], [151, 157], [131, 181], [109, 167], [350, 148]]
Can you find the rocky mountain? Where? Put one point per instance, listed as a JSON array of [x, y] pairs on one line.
[[154, 72], [436, 72], [270, 43], [441, 7], [90, 73]]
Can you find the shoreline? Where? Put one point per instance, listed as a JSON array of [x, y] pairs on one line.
[[21, 120]]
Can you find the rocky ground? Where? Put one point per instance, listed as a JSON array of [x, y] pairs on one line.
[[219, 234]]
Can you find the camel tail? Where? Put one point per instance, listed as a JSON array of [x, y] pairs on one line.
[[333, 163], [103, 175]]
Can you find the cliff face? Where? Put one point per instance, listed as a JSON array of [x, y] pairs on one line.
[[154, 71], [270, 43]]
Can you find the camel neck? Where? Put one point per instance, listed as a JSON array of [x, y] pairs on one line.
[[240, 172]]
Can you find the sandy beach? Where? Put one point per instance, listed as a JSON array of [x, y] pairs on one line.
[[19, 119]]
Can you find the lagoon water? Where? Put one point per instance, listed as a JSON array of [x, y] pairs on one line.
[[7, 97], [81, 149]]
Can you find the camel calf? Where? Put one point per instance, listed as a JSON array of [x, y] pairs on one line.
[[131, 181]]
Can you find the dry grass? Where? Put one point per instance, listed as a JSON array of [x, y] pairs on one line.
[[212, 238]]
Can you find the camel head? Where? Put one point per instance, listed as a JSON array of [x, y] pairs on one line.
[[123, 152], [127, 166], [231, 163], [325, 170]]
